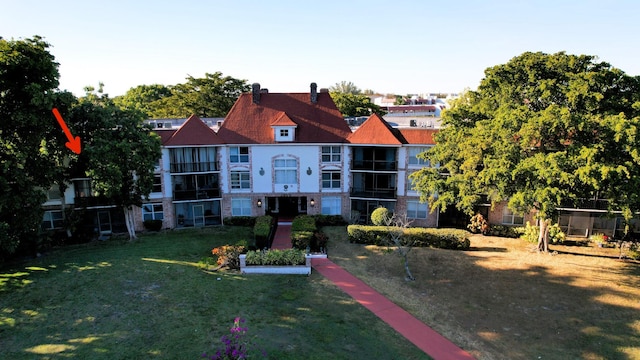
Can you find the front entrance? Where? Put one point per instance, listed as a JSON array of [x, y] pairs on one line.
[[287, 206]]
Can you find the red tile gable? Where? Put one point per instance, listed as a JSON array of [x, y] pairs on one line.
[[419, 136], [193, 132], [165, 135], [283, 120], [250, 123], [376, 131]]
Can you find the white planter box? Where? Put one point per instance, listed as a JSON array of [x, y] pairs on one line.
[[275, 269]]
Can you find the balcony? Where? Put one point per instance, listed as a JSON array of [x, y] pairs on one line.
[[91, 201], [374, 193], [194, 167], [375, 165], [196, 194]]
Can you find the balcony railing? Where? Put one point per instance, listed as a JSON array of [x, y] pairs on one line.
[[194, 167], [193, 194], [383, 193], [375, 165]]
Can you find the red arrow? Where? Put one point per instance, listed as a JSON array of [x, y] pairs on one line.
[[74, 143]]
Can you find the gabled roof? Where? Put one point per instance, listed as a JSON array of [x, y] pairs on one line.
[[376, 131], [250, 123], [283, 120], [165, 135], [419, 136], [193, 132]]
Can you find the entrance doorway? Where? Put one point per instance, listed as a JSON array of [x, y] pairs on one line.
[[287, 206]]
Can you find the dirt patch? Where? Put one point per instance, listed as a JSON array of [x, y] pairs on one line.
[[503, 300]]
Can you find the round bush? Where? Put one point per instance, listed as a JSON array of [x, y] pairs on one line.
[[380, 216]]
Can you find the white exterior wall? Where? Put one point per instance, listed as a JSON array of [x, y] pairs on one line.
[[263, 156]]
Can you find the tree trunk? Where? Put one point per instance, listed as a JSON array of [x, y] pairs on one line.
[[543, 237], [409, 276], [129, 221]]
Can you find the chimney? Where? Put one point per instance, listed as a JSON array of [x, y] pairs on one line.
[[324, 90], [314, 93], [255, 90]]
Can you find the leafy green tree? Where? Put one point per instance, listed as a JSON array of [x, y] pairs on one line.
[[355, 105], [120, 152], [345, 87], [542, 131], [32, 149], [211, 96], [143, 98]]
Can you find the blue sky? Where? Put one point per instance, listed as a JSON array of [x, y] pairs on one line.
[[388, 46]]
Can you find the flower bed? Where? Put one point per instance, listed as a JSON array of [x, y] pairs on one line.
[[275, 269]]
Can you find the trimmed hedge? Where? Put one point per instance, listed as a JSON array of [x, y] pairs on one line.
[[455, 239], [329, 220], [262, 230], [276, 257], [248, 221]]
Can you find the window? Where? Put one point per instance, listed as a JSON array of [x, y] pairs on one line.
[[239, 154], [286, 171], [52, 220], [54, 194], [331, 180], [331, 206], [157, 183], [331, 154], [240, 180], [241, 207], [410, 185], [284, 133], [510, 218], [82, 188], [152, 212], [416, 210], [413, 156]]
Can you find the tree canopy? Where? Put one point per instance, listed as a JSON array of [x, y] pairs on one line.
[[143, 98], [355, 105], [345, 87], [541, 131], [210, 96], [31, 143], [120, 153]]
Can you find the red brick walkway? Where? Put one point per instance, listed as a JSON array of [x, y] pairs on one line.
[[421, 335]]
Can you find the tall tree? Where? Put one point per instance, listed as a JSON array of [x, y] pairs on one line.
[[31, 145], [542, 131], [143, 98], [355, 105], [345, 87], [120, 152], [211, 96]]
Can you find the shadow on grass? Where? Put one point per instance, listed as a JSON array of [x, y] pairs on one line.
[[148, 299]]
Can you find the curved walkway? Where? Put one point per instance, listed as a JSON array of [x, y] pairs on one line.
[[421, 335]]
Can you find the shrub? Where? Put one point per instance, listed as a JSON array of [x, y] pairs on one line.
[[380, 216], [262, 230], [229, 255], [152, 225], [276, 257], [506, 231], [329, 220], [304, 223], [530, 233], [301, 239], [478, 225], [248, 221], [419, 237]]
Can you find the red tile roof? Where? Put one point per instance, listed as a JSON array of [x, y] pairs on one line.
[[419, 136], [283, 120], [165, 135], [194, 132], [250, 123], [376, 131]]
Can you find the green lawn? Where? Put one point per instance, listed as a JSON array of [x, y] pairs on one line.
[[150, 299]]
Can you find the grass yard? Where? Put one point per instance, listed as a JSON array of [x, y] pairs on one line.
[[149, 299], [501, 300]]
